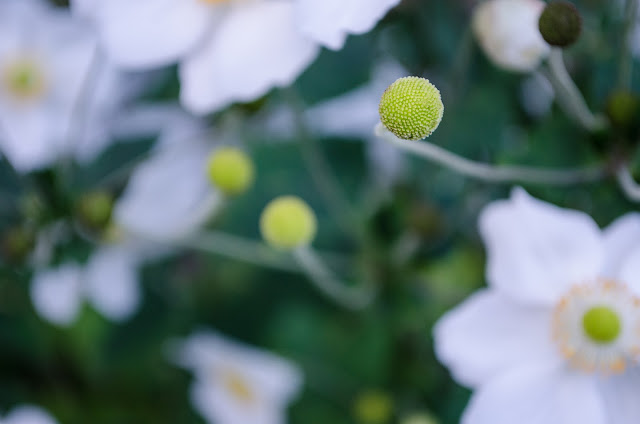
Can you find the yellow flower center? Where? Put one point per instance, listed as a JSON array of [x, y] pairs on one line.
[[597, 327], [24, 79], [238, 387]]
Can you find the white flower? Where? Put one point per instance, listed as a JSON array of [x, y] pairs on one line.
[[555, 338], [228, 50], [109, 282], [42, 76], [28, 414], [169, 195], [507, 31], [237, 384]]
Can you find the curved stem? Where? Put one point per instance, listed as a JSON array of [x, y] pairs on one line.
[[625, 69], [240, 249], [629, 186], [351, 297], [492, 173], [569, 95]]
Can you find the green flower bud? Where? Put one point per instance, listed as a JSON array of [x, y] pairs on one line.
[[623, 109], [288, 222], [17, 243], [411, 108], [373, 407], [419, 418], [230, 170], [94, 209], [560, 23]]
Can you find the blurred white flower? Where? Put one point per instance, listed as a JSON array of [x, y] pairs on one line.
[[109, 282], [28, 414], [555, 338], [235, 383], [536, 95], [507, 31], [45, 61], [169, 195], [228, 50]]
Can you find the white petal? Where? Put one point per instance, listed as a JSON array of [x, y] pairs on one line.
[[507, 30], [168, 195], [239, 65], [151, 33], [275, 378], [27, 414], [538, 394], [112, 283], [57, 293], [620, 239], [330, 21], [489, 334], [217, 405], [536, 251], [620, 393], [630, 270], [25, 138]]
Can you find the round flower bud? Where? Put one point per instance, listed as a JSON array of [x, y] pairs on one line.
[[17, 243], [288, 222], [94, 209], [419, 418], [560, 23], [623, 109], [373, 407], [230, 170], [411, 108]]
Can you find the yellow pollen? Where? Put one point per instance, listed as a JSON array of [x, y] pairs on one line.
[[238, 387], [23, 79]]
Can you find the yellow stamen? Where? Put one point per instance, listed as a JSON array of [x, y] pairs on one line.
[[238, 387]]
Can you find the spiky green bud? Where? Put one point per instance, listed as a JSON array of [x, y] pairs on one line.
[[411, 108], [560, 23]]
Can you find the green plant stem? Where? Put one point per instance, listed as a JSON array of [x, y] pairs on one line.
[[628, 184], [486, 172], [568, 94]]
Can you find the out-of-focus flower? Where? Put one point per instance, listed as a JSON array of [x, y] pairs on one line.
[[507, 31], [228, 50], [28, 414], [169, 195], [45, 73], [109, 282], [556, 336], [237, 384]]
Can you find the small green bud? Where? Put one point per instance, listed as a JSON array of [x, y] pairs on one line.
[[288, 222], [230, 170], [560, 23], [373, 407], [419, 418], [17, 243], [411, 108], [622, 109], [94, 209]]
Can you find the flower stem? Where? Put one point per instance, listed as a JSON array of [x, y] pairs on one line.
[[629, 186], [493, 173], [351, 297], [625, 69], [568, 94]]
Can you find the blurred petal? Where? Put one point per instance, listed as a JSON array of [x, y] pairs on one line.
[[238, 65], [620, 239], [536, 251], [168, 195], [151, 33], [538, 394], [25, 139], [630, 270], [57, 293], [620, 394], [112, 283], [489, 334], [330, 21], [27, 414]]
